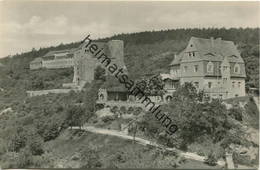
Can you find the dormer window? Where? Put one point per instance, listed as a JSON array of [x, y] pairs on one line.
[[210, 67], [237, 69], [191, 45]]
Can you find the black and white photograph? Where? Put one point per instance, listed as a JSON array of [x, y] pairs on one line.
[[129, 84]]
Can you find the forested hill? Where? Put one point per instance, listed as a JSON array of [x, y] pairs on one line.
[[238, 35], [152, 51]]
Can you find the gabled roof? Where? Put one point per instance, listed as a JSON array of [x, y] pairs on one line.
[[212, 50], [216, 49], [177, 58]]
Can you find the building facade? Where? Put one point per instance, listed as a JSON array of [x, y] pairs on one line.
[[212, 65], [81, 60]]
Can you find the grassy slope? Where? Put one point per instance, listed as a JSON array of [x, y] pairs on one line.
[[109, 148], [143, 54]]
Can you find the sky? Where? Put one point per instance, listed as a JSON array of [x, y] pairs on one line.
[[27, 24]]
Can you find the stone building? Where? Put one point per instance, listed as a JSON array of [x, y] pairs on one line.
[[36, 63], [212, 65], [54, 60], [86, 62], [81, 60]]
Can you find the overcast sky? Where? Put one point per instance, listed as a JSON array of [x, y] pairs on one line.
[[25, 25]]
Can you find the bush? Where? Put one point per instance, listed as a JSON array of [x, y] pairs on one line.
[[211, 159], [91, 159], [35, 144], [18, 140], [51, 131], [75, 115], [108, 118], [122, 110], [24, 158], [137, 111], [114, 109], [236, 113], [241, 159]]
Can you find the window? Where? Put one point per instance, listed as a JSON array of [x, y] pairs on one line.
[[239, 84], [196, 84], [172, 83], [210, 67], [196, 68], [233, 84], [189, 54], [185, 69], [225, 68], [209, 85], [236, 69], [224, 80], [193, 54], [191, 45]]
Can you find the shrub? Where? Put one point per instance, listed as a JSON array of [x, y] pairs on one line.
[[91, 159], [130, 110], [18, 140], [137, 111], [211, 159], [108, 118], [24, 158], [236, 113], [241, 159], [51, 131], [114, 109], [35, 144], [122, 109]]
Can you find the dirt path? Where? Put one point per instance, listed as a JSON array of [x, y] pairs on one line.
[[141, 141]]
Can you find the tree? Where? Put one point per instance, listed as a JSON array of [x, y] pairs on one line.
[[236, 113], [195, 118], [75, 115], [152, 86]]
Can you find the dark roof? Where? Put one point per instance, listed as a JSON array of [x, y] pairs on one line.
[[213, 50], [177, 58], [217, 47]]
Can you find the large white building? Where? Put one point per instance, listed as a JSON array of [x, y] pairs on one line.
[[212, 65]]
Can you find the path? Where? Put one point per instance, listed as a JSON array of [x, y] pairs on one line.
[[141, 141]]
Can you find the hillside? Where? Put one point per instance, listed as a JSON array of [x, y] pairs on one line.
[[142, 49], [34, 131]]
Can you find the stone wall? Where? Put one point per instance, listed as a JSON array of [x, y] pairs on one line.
[[44, 92], [58, 63]]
